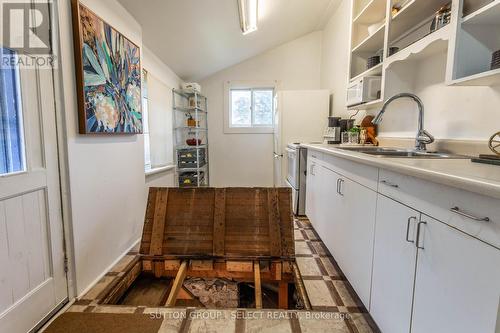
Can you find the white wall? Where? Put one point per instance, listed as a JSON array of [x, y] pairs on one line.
[[106, 172], [246, 159], [467, 113], [334, 57]]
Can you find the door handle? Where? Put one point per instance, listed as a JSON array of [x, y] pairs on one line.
[[413, 218], [417, 242], [457, 210], [388, 183], [340, 182]]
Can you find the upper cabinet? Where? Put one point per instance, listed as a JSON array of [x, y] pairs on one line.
[[390, 39], [476, 39]]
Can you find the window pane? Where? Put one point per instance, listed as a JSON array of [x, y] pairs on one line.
[[241, 113], [263, 107], [147, 153], [11, 132]]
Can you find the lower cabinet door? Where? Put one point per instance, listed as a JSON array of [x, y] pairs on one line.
[[394, 260], [457, 287], [311, 190], [355, 218]]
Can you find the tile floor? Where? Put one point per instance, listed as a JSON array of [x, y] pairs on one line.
[[336, 307]]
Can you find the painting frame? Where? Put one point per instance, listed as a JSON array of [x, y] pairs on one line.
[[106, 105]]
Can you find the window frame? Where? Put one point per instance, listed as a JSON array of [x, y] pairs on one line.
[[20, 113], [229, 86], [145, 121]]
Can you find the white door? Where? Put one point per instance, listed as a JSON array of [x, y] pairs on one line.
[[394, 261], [457, 286], [32, 274]]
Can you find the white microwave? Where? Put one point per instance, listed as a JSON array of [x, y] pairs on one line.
[[364, 90]]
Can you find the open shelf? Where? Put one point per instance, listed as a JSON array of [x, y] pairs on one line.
[[373, 12], [372, 43], [367, 106], [431, 44], [489, 78], [179, 147], [413, 14], [374, 71], [487, 15], [189, 109], [188, 128]]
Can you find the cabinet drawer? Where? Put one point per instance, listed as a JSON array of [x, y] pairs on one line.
[[314, 155], [360, 173], [440, 201]]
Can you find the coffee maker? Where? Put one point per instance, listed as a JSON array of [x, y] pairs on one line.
[[332, 132]]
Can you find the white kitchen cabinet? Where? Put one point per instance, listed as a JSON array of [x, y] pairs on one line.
[[312, 189], [353, 224], [457, 287], [394, 259], [331, 217]]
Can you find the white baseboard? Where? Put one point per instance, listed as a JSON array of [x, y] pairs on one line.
[[93, 283]]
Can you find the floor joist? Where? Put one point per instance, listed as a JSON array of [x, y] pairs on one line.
[[258, 285], [177, 285]]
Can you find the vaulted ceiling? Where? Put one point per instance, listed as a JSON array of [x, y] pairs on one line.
[[197, 38]]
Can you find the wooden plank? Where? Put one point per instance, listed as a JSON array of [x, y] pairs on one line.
[[171, 265], [258, 285], [176, 287], [201, 265], [219, 232], [283, 296], [277, 267], [159, 267], [147, 265], [239, 266], [159, 222], [274, 222]]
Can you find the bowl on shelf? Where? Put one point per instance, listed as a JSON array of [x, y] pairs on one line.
[[373, 61], [495, 60], [393, 50], [192, 142]]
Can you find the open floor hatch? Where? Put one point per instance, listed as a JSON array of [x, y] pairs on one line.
[[214, 247]]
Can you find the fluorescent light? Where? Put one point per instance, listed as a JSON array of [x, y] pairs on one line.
[[248, 15]]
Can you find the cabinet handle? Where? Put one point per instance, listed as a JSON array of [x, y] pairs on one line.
[[457, 210], [312, 169], [418, 235], [413, 218], [341, 181], [388, 183]]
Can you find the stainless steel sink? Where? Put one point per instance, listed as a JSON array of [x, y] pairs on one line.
[[403, 153]]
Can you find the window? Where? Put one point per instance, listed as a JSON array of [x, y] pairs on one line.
[[11, 123], [249, 107], [145, 121], [252, 107]]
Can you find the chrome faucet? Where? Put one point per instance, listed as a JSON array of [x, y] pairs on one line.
[[423, 137]]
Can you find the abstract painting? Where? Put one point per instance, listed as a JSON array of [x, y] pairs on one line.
[[108, 76]]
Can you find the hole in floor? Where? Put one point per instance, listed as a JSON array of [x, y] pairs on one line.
[[148, 290]]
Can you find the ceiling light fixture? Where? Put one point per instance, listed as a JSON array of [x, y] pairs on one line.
[[248, 15]]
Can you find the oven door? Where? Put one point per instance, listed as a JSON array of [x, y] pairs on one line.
[[293, 168]]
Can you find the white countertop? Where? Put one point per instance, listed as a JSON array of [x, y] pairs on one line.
[[461, 173]]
